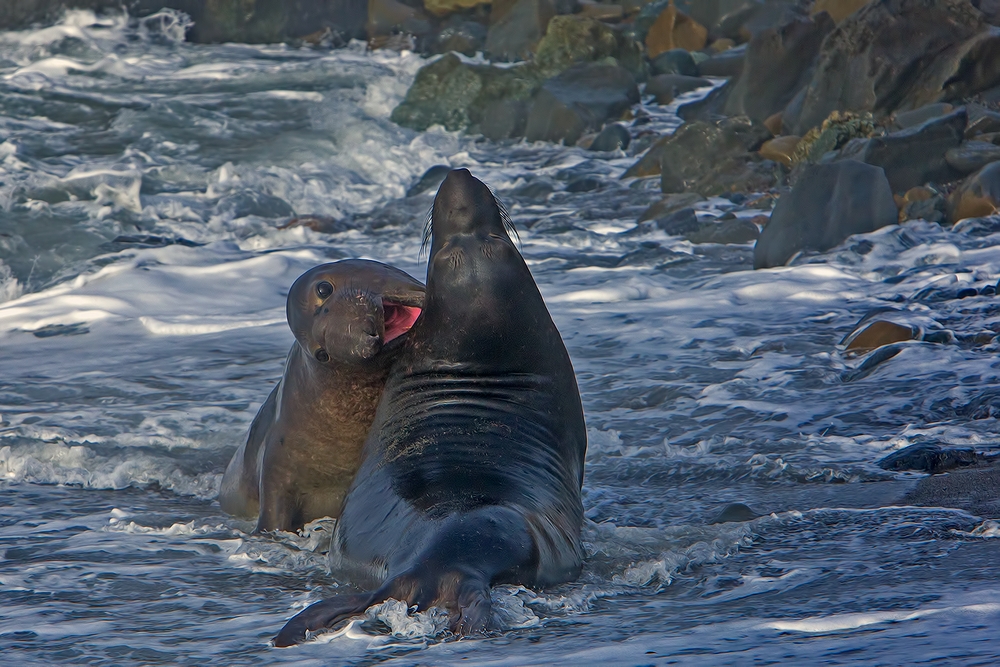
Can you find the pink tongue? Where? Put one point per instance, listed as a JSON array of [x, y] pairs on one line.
[[398, 319]]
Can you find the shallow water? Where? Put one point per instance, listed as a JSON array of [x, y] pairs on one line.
[[130, 370]]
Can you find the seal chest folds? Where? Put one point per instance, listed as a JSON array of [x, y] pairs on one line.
[[471, 473], [304, 446]]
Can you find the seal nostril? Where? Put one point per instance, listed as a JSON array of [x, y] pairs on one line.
[[322, 356]]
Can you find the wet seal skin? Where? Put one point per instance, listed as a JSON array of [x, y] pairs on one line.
[[349, 319], [472, 470]]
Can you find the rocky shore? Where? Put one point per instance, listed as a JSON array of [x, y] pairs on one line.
[[826, 118]]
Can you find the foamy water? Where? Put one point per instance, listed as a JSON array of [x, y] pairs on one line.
[[130, 370]]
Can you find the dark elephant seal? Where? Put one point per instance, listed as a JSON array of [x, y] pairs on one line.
[[349, 319], [471, 473]]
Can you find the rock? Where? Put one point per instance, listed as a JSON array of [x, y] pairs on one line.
[[318, 223], [674, 61], [386, 17], [465, 37], [780, 149], [972, 156], [828, 203], [516, 27], [696, 149], [724, 232], [665, 87], [268, 21], [773, 123], [504, 119], [445, 7], [720, 45], [726, 64], [916, 155], [838, 9], [612, 138], [709, 107], [735, 513], [649, 163], [670, 204], [905, 119], [877, 334], [835, 132], [778, 64], [582, 98], [975, 490], [601, 11], [431, 179], [754, 16], [678, 223], [252, 202], [738, 174], [930, 458], [584, 184], [456, 95], [672, 30], [573, 39], [977, 196], [981, 121], [949, 52], [923, 203]]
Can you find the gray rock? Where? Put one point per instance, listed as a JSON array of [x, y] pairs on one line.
[[675, 61], [735, 513], [698, 148], [729, 63], [905, 119], [456, 34], [665, 87], [431, 179], [778, 64], [504, 119], [580, 99], [972, 156], [927, 457], [866, 64], [916, 155], [708, 108], [516, 27], [754, 16], [828, 203], [612, 138]]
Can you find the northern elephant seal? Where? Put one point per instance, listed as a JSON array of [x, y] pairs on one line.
[[304, 446], [472, 471]]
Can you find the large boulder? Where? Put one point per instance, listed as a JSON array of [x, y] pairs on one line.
[[674, 30], [698, 148], [579, 100], [516, 27], [753, 16], [916, 155], [386, 17], [573, 39], [838, 9], [460, 96], [828, 203], [778, 63], [445, 7], [901, 54]]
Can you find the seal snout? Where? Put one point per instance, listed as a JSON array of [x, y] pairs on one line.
[[464, 204]]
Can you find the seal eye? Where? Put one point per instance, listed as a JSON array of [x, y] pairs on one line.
[[321, 355], [324, 289]]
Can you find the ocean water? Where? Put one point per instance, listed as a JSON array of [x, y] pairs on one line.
[[144, 184]]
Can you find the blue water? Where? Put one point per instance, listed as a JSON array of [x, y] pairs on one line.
[[130, 371]]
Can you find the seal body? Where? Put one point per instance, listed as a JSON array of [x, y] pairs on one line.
[[304, 446], [472, 471]]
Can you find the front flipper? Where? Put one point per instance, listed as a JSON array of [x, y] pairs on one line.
[[323, 614]]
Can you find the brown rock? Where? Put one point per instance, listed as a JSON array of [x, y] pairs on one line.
[[780, 149], [601, 11], [838, 9], [445, 7], [675, 30], [773, 123], [977, 196], [877, 334], [721, 44]]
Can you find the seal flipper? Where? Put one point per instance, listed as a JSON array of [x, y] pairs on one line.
[[465, 556], [323, 614]]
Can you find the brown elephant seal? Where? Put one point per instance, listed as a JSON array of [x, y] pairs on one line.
[[304, 446], [472, 470]]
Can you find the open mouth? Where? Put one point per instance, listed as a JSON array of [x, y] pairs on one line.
[[398, 319]]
